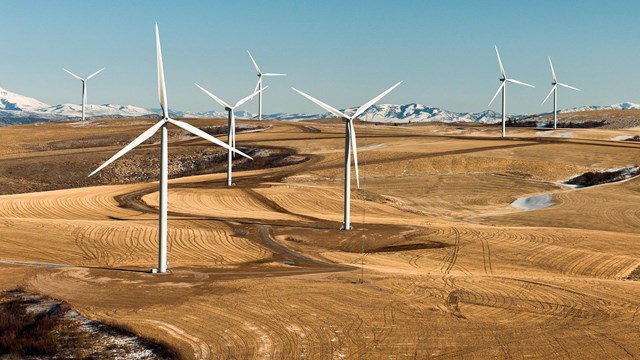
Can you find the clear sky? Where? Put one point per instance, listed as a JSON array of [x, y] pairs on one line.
[[343, 52]]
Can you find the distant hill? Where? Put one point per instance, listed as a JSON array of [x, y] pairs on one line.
[[19, 109]]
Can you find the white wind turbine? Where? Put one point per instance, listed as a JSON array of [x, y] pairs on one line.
[[554, 90], [349, 138], [231, 124], [503, 88], [259, 84], [164, 154], [84, 86]]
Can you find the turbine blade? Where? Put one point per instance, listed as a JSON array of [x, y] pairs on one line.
[[550, 92], [364, 107], [330, 109], [194, 130], [568, 86], [273, 74], [553, 72], [497, 92], [519, 82], [352, 133], [137, 141], [504, 75], [258, 84], [254, 63], [74, 75], [217, 99], [244, 100], [162, 90], [94, 74]]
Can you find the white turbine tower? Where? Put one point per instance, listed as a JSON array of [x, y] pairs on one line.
[[84, 86], [503, 88], [231, 124], [259, 84], [554, 90], [349, 138], [164, 154]]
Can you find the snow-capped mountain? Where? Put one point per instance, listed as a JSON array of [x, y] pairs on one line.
[[16, 102], [99, 111], [420, 113], [621, 106], [378, 113], [18, 109]]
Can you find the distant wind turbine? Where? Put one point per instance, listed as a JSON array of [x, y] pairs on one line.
[[259, 84], [554, 90], [231, 124], [84, 86], [164, 154], [350, 138], [503, 88]]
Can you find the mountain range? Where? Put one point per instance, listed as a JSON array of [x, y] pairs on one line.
[[19, 109]]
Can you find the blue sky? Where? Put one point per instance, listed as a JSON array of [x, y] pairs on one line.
[[343, 52]]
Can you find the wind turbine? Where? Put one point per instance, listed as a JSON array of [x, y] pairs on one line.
[[349, 138], [259, 84], [231, 124], [84, 86], [164, 154], [554, 90], [503, 88]]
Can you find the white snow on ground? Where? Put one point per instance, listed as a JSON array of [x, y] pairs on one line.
[[533, 202], [555, 133], [623, 137]]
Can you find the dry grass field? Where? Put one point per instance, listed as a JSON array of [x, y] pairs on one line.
[[260, 270]]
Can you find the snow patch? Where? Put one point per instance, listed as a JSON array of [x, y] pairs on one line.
[[533, 202]]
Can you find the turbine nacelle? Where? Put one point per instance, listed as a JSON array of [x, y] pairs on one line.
[[259, 83], [502, 88], [84, 86], [555, 83]]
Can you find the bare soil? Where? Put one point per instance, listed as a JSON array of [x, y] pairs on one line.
[[438, 264]]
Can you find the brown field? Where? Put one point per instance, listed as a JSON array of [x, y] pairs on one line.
[[259, 270]]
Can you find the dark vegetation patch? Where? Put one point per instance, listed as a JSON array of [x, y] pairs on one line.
[[587, 124], [224, 130], [406, 247], [635, 274], [293, 239], [35, 327], [22, 175], [521, 123], [122, 139], [27, 334], [140, 168], [635, 138], [592, 178]]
